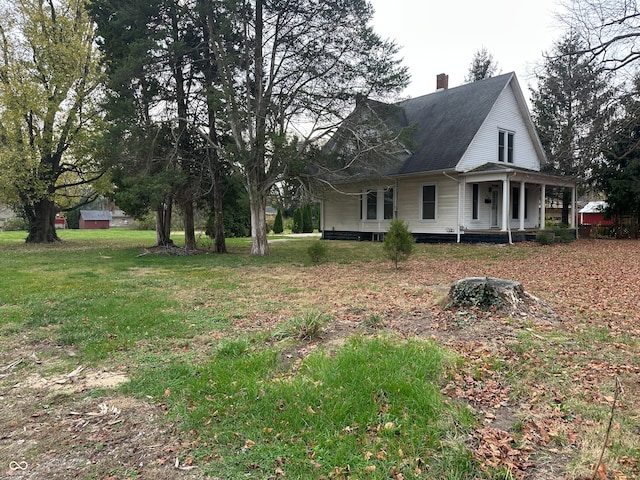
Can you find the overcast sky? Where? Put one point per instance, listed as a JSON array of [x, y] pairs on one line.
[[442, 36]]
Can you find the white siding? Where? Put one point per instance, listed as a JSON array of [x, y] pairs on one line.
[[410, 196], [484, 209], [341, 211], [506, 115]]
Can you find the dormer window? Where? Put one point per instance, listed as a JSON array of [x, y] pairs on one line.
[[505, 146]]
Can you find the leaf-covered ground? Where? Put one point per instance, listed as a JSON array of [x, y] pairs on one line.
[[553, 382], [543, 378]]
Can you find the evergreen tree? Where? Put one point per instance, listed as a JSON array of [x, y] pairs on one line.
[[307, 219], [297, 221], [398, 242], [482, 66], [572, 106], [278, 226], [618, 174], [152, 54]]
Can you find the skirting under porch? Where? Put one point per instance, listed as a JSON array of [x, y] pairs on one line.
[[496, 237]]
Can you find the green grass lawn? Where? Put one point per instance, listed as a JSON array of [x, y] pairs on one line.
[[371, 407], [275, 367]]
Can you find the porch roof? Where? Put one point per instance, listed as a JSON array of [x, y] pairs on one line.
[[498, 171]]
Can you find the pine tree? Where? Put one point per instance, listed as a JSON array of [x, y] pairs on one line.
[[307, 219], [618, 174], [398, 242], [297, 221], [572, 107], [482, 66]]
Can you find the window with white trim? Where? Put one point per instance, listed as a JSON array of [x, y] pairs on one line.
[[428, 202], [506, 141], [372, 205], [377, 204]]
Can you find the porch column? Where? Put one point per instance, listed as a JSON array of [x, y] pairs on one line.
[[543, 206], [505, 204], [521, 206], [462, 202], [573, 208]]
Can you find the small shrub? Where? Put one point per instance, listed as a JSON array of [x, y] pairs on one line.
[[146, 223], [398, 241], [563, 235], [557, 235], [318, 251], [544, 238]]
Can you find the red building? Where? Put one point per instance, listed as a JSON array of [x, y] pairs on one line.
[[593, 214], [95, 219]]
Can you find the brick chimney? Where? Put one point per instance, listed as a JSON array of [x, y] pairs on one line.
[[442, 81]]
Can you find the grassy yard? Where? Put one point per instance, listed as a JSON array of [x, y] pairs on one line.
[[119, 363]]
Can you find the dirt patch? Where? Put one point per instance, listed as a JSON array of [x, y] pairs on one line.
[[56, 426], [76, 381]]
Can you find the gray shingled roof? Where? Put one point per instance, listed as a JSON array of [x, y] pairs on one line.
[[447, 121], [440, 125], [93, 215]]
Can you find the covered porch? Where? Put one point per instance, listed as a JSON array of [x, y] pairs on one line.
[[507, 199]]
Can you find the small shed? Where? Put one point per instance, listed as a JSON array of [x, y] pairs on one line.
[[593, 214], [95, 219]]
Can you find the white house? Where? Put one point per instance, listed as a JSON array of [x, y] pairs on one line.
[[468, 171]]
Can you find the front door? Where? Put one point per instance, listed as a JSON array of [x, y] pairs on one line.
[[494, 208]]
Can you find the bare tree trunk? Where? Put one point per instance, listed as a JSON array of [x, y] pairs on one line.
[[41, 223], [220, 243], [215, 162], [163, 224], [258, 205], [189, 226], [256, 174]]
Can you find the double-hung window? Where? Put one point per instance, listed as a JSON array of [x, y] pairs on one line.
[[428, 202], [505, 146], [372, 204], [378, 204]]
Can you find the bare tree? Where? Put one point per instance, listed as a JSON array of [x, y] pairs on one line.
[[300, 65], [609, 30]]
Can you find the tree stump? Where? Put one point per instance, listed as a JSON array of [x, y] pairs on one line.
[[486, 293]]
